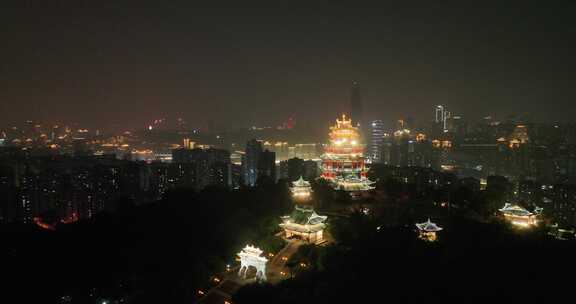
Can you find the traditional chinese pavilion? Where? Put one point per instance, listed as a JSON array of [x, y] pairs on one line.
[[343, 160], [427, 231], [519, 216], [305, 224], [301, 191]]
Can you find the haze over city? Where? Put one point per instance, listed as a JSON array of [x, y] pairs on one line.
[[111, 64], [171, 152]]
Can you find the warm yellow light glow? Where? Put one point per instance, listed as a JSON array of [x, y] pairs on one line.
[[304, 194], [447, 167], [428, 236], [520, 224]]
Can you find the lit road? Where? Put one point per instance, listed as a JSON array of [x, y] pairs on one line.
[[276, 267], [228, 286]]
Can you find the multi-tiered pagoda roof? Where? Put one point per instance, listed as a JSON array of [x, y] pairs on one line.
[[343, 160], [301, 190]]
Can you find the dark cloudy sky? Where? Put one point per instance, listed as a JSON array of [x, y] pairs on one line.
[[124, 64]]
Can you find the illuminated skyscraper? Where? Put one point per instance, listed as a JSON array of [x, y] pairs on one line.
[[441, 116], [343, 158], [376, 140], [447, 116]]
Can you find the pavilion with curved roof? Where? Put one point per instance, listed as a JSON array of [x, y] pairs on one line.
[[427, 230], [304, 223]]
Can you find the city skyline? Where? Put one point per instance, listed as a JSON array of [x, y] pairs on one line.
[[176, 152], [175, 123], [126, 66]]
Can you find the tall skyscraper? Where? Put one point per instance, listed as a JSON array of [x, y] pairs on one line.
[[441, 116], [250, 161], [292, 169], [376, 140], [267, 166], [356, 109]]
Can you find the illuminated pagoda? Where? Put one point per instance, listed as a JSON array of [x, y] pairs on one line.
[[343, 158], [304, 224], [427, 231], [519, 216], [301, 191], [250, 256]]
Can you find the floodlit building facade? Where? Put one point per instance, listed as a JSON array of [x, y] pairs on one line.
[[519, 216], [251, 256], [427, 231], [304, 224], [343, 161], [301, 191]]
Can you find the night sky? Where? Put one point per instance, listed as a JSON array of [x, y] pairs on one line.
[[116, 65]]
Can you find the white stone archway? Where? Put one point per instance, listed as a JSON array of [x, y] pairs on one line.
[[250, 256]]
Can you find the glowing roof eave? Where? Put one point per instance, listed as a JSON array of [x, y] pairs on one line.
[[515, 210], [303, 228], [428, 226]]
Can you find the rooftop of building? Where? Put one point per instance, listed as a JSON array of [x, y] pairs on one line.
[[303, 216], [428, 226], [515, 210], [301, 183]]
